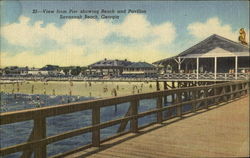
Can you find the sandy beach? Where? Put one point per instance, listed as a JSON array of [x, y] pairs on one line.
[[88, 89]]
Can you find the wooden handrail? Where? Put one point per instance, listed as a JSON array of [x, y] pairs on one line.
[[30, 114], [39, 140]]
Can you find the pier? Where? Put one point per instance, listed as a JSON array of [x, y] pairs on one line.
[[219, 132], [196, 100]]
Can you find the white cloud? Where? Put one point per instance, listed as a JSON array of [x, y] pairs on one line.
[[76, 55], [22, 33], [68, 56], [134, 26], [148, 39], [213, 26]]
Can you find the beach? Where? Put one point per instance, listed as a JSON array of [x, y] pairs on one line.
[[83, 88]]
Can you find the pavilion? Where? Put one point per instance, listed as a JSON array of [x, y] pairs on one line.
[[139, 69], [107, 67], [213, 58]]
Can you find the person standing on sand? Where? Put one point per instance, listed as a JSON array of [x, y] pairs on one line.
[[114, 93]]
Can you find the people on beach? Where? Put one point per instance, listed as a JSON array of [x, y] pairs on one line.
[[113, 92], [44, 91], [150, 86], [32, 89], [105, 89]]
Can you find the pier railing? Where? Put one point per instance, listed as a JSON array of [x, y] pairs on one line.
[[201, 97], [207, 76], [166, 76]]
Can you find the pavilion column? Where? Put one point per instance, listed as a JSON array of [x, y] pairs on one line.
[[197, 68], [215, 67], [179, 64], [236, 67]]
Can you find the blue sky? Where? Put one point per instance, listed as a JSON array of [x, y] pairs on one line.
[[167, 28]]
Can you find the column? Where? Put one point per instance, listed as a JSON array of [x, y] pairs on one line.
[[215, 67], [179, 64], [236, 67], [197, 68]]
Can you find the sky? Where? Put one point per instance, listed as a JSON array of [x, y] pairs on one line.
[[166, 29]]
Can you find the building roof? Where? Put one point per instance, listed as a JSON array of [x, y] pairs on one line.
[[141, 65], [110, 63], [210, 43], [215, 41], [49, 68]]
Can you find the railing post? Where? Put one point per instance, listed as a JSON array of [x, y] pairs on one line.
[[194, 94], [159, 106], [134, 121], [206, 96], [215, 93], [239, 88], [178, 100], [40, 133], [157, 85], [247, 87], [231, 90], [223, 93], [95, 121]]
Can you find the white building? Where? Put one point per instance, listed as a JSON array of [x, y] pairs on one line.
[[213, 58]]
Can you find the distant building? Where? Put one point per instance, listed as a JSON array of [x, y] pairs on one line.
[[37, 72], [50, 70], [107, 67], [139, 69], [23, 71], [15, 70]]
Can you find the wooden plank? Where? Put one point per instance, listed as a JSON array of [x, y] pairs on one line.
[[124, 123], [206, 96], [95, 121], [194, 95], [157, 85], [40, 133], [134, 112], [28, 153], [159, 106], [179, 108]]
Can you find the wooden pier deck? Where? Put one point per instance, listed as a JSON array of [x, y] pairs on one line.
[[223, 131], [204, 129]]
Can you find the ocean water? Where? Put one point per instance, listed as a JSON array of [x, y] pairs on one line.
[[16, 133]]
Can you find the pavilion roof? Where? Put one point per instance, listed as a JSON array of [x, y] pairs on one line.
[[210, 43]]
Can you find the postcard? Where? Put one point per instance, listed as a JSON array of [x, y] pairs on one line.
[[128, 79]]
